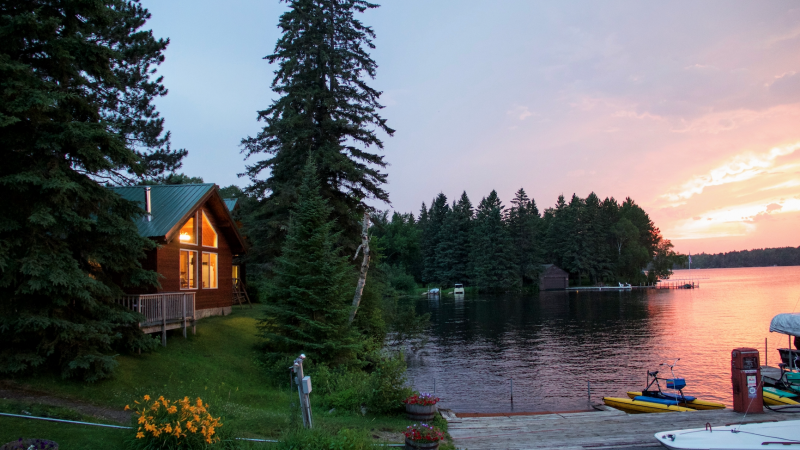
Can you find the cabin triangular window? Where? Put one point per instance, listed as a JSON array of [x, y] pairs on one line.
[[188, 235], [209, 234]]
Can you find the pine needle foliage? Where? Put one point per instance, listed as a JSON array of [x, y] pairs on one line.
[[325, 110], [308, 301], [75, 110], [492, 252]]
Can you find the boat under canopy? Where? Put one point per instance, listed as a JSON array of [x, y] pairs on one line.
[[787, 323]]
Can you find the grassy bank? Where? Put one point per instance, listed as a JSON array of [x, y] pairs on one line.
[[219, 365]]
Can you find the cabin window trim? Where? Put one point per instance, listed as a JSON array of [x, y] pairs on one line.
[[204, 220], [207, 270], [191, 270]]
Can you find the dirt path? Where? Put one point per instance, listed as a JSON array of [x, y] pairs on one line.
[[13, 391]]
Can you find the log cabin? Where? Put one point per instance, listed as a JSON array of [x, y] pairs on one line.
[[197, 242]]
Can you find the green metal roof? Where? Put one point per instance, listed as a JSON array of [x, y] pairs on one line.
[[230, 203], [170, 203]]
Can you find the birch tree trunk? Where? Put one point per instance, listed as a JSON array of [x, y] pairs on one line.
[[362, 279]]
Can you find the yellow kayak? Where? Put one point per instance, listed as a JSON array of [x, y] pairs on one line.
[[627, 404], [694, 403], [776, 399]]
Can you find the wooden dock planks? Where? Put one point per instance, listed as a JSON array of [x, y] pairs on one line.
[[590, 430]]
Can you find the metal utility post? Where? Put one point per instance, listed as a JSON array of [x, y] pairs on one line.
[[303, 389]]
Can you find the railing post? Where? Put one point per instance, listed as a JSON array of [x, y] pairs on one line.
[[183, 316], [194, 316], [163, 321]]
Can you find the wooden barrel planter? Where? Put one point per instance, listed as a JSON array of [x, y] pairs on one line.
[[420, 413], [411, 445]]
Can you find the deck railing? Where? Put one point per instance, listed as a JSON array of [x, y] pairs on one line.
[[162, 311]]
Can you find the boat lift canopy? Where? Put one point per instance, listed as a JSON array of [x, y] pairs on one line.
[[786, 324]]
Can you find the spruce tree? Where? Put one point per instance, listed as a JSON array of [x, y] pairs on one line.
[[76, 92], [599, 265], [453, 249], [491, 258], [557, 233], [325, 111], [308, 301], [523, 228], [432, 236]]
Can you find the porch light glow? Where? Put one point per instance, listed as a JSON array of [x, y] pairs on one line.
[[185, 237]]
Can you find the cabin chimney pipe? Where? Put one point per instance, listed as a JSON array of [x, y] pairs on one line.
[[147, 205]]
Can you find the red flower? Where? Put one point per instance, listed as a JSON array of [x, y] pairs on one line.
[[421, 399], [423, 433]]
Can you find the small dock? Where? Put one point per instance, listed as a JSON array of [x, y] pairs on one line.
[[608, 288], [606, 429], [680, 283]]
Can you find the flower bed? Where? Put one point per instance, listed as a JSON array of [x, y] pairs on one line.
[[162, 423]]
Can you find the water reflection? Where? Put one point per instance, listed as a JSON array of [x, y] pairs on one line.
[[554, 343]]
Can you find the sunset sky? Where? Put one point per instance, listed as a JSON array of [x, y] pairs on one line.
[[690, 108]]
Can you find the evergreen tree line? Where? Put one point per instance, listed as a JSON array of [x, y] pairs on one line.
[[495, 247], [760, 257], [77, 86]]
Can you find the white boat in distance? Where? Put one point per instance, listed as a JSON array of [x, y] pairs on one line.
[[785, 435]]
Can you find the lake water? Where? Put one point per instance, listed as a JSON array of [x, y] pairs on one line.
[[554, 343]]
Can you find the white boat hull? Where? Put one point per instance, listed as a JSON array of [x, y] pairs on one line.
[[784, 435]]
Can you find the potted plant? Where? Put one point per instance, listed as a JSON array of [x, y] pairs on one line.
[[421, 406], [423, 437]]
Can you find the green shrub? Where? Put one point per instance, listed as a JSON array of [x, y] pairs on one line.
[[381, 391], [400, 280]]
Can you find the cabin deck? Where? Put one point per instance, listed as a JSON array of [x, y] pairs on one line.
[[163, 311], [586, 430]]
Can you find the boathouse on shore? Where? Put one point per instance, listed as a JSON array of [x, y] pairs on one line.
[[198, 241], [553, 278]]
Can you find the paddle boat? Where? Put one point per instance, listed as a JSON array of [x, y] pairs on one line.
[[749, 436], [788, 324], [656, 400]]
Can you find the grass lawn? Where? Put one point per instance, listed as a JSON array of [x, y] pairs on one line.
[[68, 436], [218, 365]]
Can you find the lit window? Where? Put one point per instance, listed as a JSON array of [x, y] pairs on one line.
[[209, 270], [209, 235], [235, 272], [188, 269], [188, 233]]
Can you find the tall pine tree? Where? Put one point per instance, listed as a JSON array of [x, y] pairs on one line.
[[432, 236], [326, 111], [492, 258], [76, 92], [452, 252], [523, 228], [308, 301]]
